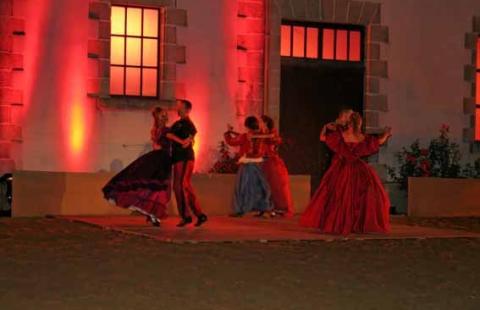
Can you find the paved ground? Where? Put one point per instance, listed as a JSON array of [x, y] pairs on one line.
[[57, 264]]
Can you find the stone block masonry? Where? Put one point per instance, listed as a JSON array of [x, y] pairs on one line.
[[11, 62], [251, 58], [470, 77]]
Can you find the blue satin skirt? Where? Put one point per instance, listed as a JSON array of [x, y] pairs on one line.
[[252, 192]]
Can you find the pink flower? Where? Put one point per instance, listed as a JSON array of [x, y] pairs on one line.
[[425, 167], [411, 159], [445, 129]]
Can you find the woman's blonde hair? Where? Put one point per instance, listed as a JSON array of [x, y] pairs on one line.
[[356, 121], [155, 112], [345, 111]]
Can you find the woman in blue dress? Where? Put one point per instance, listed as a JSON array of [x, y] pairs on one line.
[[252, 192]]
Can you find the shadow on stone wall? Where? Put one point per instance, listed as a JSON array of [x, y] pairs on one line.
[[116, 165]]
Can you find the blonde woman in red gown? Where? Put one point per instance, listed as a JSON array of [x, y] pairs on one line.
[[351, 197], [275, 170]]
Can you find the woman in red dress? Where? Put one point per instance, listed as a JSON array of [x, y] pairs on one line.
[[351, 197], [275, 170]]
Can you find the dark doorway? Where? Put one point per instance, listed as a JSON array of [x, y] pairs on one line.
[[313, 91]]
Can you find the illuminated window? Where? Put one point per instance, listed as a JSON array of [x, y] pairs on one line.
[[324, 42], [134, 49], [328, 49], [286, 46], [312, 43], [477, 93], [298, 41], [342, 45], [355, 44]]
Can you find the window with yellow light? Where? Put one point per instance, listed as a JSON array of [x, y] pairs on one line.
[[134, 50]]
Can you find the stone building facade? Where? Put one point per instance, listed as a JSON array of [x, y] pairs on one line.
[[57, 114]]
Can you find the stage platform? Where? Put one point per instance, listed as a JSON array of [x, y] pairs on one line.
[[248, 228]]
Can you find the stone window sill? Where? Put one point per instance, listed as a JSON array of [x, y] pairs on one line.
[[132, 103]]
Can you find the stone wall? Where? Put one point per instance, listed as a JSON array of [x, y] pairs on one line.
[[251, 57], [470, 76], [12, 30]]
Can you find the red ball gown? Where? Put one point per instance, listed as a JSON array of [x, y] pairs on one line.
[[276, 174], [351, 197]]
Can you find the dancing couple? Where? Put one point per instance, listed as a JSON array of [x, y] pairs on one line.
[[351, 197], [262, 183], [145, 184]]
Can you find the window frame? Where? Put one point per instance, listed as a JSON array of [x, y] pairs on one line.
[[141, 67], [321, 27]]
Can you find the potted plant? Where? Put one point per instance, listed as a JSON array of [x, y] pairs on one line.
[[434, 179], [226, 162]]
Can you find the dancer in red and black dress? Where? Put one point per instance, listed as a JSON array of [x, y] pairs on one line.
[[351, 197], [144, 185], [275, 170], [182, 135]]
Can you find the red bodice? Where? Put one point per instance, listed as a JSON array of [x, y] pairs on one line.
[[250, 148], [271, 144], [351, 151]]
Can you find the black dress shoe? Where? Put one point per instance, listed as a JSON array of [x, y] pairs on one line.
[[201, 219], [184, 222]]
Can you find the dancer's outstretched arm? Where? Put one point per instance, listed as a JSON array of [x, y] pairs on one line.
[[233, 138], [387, 133], [263, 136], [323, 133]]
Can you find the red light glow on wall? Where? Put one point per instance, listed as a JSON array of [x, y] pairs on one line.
[[77, 128], [59, 118], [134, 51], [78, 113]]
